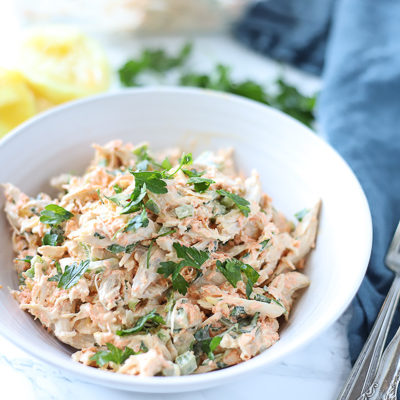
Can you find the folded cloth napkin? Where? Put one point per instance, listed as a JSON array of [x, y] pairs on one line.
[[288, 30], [359, 114]]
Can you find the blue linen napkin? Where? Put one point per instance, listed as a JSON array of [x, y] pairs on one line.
[[358, 111]]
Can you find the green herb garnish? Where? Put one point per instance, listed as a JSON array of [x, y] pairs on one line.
[[191, 257], [54, 215], [116, 248], [200, 184], [113, 354], [301, 214], [26, 259], [241, 203], [232, 270], [71, 275], [145, 323], [205, 343], [264, 244], [140, 220], [54, 238]]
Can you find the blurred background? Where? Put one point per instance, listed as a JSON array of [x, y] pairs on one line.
[[53, 51]]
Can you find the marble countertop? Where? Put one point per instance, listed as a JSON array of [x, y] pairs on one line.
[[314, 372]]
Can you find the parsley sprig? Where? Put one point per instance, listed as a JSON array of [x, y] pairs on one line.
[[232, 270], [284, 96], [191, 257]]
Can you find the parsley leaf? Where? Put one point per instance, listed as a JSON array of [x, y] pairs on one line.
[[113, 354], [241, 203], [54, 238], [205, 343], [200, 184], [265, 299], [137, 222], [191, 256], [144, 323], [116, 248], [152, 179], [54, 215], [72, 274], [136, 198], [233, 269]]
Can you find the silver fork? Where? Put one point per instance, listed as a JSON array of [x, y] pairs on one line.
[[358, 385]]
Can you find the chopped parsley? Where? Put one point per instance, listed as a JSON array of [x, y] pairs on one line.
[[144, 323], [71, 275], [136, 198], [113, 354], [152, 206], [54, 215], [241, 203], [186, 159], [116, 248], [191, 173], [205, 343], [97, 235], [265, 299], [151, 245], [140, 220], [232, 270], [200, 184], [57, 277], [54, 238], [264, 244], [152, 179], [301, 214], [117, 189], [26, 259], [191, 257]]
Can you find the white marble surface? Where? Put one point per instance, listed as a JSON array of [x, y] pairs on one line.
[[314, 372]]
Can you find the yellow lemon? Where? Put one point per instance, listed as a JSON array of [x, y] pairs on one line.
[[17, 102], [61, 63]]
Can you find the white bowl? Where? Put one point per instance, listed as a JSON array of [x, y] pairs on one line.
[[296, 168]]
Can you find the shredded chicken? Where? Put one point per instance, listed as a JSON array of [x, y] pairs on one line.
[[158, 264]]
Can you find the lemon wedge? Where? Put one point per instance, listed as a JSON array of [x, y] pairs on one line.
[[61, 63], [17, 102]]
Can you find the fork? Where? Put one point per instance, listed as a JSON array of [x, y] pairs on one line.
[[359, 384]]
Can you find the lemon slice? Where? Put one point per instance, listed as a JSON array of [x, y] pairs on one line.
[[17, 102], [62, 64]]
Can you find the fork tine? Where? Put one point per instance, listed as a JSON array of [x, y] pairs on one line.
[[394, 247]]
